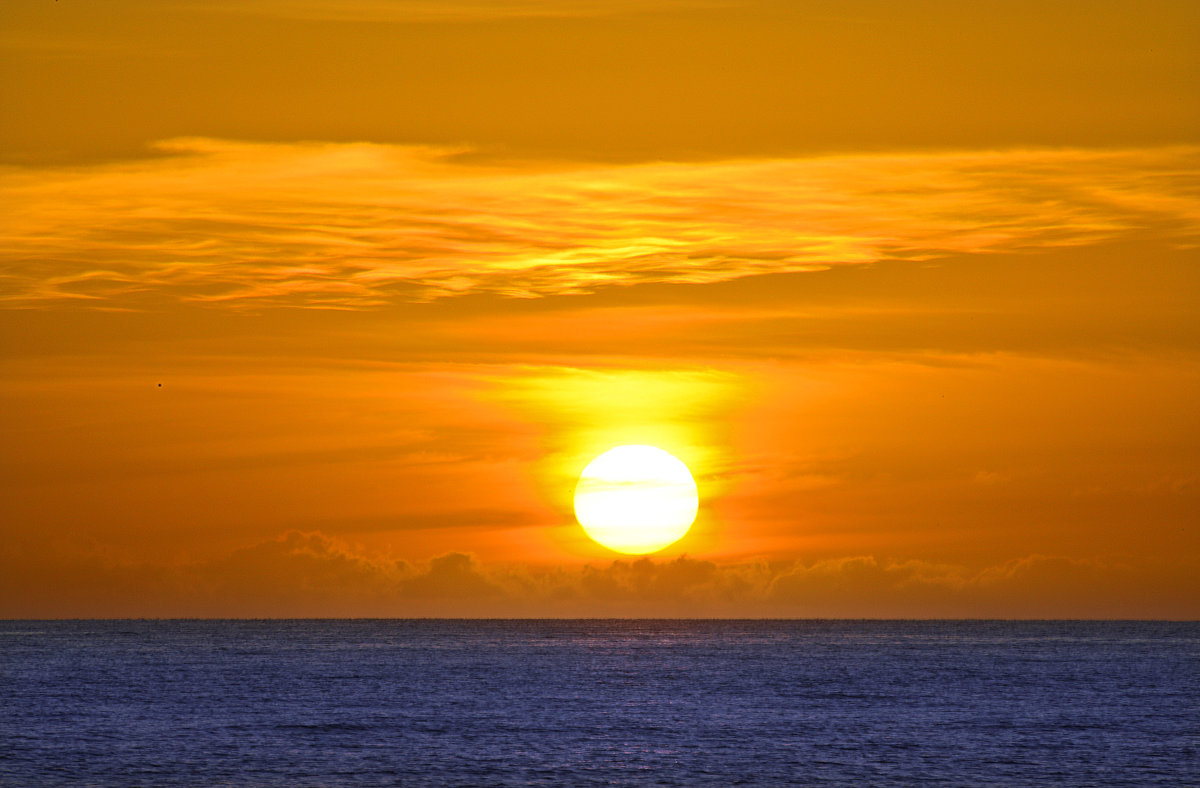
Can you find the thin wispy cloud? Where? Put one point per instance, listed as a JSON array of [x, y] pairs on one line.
[[449, 11], [354, 226]]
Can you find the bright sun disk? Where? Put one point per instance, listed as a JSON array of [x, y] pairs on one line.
[[636, 499]]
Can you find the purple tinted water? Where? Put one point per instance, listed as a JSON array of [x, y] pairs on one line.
[[374, 703]]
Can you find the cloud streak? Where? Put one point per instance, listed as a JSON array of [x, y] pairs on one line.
[[442, 11], [358, 226]]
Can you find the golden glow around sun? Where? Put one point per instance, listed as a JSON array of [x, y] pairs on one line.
[[636, 499]]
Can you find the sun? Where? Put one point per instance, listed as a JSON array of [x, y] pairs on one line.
[[636, 499]]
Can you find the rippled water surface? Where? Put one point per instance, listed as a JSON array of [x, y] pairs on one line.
[[369, 703]]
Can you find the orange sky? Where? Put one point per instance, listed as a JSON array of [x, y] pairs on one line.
[[914, 290]]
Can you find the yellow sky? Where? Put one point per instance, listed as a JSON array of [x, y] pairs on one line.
[[913, 289]]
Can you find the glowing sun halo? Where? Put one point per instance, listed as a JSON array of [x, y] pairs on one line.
[[636, 499]]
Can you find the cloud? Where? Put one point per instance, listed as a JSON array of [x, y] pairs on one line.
[[358, 226], [450, 11], [311, 574], [308, 568], [451, 576]]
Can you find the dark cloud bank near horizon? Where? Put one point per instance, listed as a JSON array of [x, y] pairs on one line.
[[308, 574]]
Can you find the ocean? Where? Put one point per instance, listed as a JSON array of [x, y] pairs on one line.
[[598, 702]]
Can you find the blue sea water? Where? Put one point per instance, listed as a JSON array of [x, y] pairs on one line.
[[393, 702]]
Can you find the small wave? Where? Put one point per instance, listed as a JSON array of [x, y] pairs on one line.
[[324, 727]]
